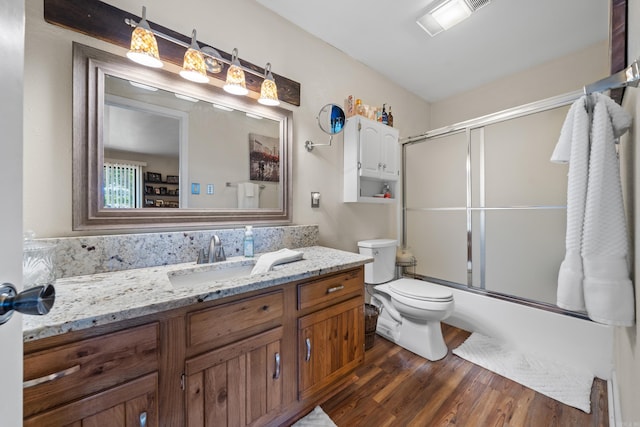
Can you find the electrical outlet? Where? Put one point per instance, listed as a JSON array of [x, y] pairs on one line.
[[195, 188]]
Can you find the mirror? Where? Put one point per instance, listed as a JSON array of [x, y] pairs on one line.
[[153, 150], [331, 120]]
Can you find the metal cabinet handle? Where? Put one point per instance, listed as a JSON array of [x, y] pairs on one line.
[[51, 377], [380, 165], [335, 289], [143, 419], [276, 375], [308, 342]]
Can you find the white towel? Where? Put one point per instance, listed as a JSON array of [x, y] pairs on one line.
[[267, 261], [608, 291], [248, 195], [594, 275], [573, 144]]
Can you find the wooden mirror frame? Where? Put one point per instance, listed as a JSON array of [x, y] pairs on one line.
[[90, 66]]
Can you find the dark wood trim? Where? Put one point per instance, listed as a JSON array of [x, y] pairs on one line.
[[618, 42], [105, 22]]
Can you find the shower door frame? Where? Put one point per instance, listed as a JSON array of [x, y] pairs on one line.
[[467, 127]]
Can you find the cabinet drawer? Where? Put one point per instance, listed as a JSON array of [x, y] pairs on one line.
[[61, 374], [125, 405], [331, 290], [230, 322]]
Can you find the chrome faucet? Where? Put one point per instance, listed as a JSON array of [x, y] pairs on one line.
[[216, 251]]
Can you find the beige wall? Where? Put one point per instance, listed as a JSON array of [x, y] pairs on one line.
[[627, 340], [552, 78], [326, 75]]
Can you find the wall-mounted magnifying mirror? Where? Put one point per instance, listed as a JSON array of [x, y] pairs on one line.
[[331, 120]]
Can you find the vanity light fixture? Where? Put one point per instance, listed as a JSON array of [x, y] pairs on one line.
[[444, 14], [268, 90], [193, 67], [144, 47], [236, 83], [197, 62]]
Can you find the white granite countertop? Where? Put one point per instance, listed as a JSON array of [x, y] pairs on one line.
[[98, 299]]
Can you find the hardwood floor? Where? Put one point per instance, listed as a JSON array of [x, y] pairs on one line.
[[395, 387]]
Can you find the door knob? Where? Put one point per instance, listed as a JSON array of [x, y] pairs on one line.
[[36, 301]]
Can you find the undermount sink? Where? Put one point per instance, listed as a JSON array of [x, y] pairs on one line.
[[197, 276]]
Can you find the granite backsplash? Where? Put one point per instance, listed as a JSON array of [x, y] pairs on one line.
[[76, 256]]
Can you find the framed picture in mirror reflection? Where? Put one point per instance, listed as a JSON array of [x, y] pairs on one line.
[[264, 158]]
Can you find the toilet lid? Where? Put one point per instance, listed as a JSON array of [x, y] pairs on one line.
[[421, 290]]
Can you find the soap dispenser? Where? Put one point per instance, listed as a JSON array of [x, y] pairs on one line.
[[248, 241]]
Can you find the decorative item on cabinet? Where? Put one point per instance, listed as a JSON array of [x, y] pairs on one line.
[[371, 154]]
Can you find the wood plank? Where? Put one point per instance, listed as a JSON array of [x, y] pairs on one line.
[[256, 384], [112, 416], [237, 391], [216, 395], [195, 400], [105, 22], [397, 387]]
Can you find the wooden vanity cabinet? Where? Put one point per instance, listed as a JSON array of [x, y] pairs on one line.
[[237, 361], [83, 383], [239, 380], [330, 339]]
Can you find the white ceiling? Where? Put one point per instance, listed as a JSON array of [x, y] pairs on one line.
[[502, 38]]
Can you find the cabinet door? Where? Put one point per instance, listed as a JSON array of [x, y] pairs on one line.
[[370, 149], [331, 345], [133, 404], [237, 384], [390, 149]]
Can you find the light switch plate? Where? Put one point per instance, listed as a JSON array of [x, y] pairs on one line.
[[195, 188], [209, 188]]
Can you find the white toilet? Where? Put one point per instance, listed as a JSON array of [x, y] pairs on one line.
[[411, 309]]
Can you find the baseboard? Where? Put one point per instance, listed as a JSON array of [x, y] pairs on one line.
[[615, 417]]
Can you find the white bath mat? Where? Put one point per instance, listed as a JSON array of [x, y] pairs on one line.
[[563, 383], [315, 418]]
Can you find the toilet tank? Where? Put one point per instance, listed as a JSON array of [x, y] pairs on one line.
[[383, 251]]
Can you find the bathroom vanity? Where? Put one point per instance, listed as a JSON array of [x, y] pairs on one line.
[[249, 350]]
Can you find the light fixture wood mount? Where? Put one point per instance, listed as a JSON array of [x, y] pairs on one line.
[[105, 22]]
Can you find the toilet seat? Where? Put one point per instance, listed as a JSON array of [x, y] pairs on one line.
[[420, 290]]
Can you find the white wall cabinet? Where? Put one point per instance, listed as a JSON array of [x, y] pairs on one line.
[[371, 159]]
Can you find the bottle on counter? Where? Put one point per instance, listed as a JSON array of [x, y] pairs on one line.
[[390, 117], [248, 241], [385, 117], [378, 116]]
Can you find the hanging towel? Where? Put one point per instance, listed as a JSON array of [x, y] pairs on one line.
[[248, 195], [608, 291], [267, 261], [594, 276], [573, 145]]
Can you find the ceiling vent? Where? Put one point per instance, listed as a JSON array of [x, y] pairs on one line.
[[444, 14]]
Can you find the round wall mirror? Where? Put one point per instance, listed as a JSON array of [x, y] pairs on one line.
[[331, 120]]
